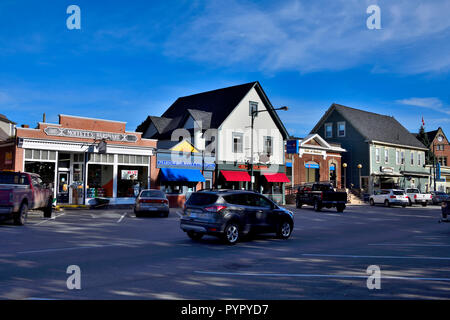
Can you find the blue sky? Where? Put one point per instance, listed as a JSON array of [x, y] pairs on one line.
[[134, 58]]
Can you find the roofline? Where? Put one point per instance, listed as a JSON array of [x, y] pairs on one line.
[[397, 145], [87, 118]]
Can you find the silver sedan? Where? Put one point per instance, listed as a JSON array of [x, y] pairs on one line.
[[151, 201]]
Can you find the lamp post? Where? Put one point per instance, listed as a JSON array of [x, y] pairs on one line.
[[359, 169], [344, 165], [254, 113]]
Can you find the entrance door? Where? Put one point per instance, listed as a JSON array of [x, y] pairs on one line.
[[63, 187]]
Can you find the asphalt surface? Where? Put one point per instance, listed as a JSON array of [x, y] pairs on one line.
[[124, 257]]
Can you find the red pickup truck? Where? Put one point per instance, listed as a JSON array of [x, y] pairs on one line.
[[20, 192]]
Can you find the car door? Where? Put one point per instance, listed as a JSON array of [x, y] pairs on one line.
[[266, 217]]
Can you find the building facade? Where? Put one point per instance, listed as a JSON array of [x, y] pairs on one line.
[[85, 158], [218, 124], [312, 159], [380, 152], [7, 143]]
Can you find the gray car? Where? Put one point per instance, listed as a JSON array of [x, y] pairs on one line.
[[151, 201]]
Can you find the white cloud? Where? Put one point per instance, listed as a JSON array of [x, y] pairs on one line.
[[317, 35], [428, 103]]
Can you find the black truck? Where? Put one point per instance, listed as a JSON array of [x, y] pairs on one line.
[[320, 195]]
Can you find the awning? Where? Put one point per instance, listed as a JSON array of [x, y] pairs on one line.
[[276, 177], [236, 175], [189, 175]]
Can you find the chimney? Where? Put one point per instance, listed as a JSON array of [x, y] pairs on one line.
[[43, 117], [25, 126]]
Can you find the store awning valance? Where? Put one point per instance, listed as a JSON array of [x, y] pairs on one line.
[[189, 175], [236, 175], [276, 177]]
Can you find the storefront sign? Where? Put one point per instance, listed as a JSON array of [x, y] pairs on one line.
[[387, 169], [129, 174], [312, 166], [292, 146], [87, 134], [168, 160]]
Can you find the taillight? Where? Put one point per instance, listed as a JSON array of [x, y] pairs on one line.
[[415, 196], [321, 196], [215, 208], [393, 197]]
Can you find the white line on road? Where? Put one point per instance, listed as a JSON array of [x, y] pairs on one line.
[[309, 275], [68, 248], [52, 218], [123, 216], [375, 257], [179, 214], [408, 245]]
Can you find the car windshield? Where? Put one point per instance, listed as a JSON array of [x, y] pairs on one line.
[[412, 191], [13, 178], [202, 199], [152, 194], [398, 193]]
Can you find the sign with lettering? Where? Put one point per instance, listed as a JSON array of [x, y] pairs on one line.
[[185, 161], [88, 134], [129, 174]]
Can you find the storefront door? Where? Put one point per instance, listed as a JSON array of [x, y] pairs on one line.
[[63, 187]]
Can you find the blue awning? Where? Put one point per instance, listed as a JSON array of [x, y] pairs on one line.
[[190, 175]]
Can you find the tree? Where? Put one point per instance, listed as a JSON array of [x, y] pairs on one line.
[[423, 137]]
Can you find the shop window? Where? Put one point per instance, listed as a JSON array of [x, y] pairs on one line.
[[131, 180], [31, 154], [100, 181], [46, 170]]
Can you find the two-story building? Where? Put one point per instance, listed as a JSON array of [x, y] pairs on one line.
[[218, 123], [380, 152], [439, 167]]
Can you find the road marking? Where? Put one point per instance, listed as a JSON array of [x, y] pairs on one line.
[[312, 275], [409, 245], [379, 257], [68, 248], [52, 218], [123, 216], [179, 214]]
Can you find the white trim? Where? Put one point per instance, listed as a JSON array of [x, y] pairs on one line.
[[397, 145]]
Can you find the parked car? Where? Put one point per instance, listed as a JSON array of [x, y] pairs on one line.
[[389, 197], [20, 192], [231, 214], [321, 195], [151, 201], [437, 197], [416, 197]]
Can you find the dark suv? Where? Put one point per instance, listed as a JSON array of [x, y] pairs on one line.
[[230, 214]]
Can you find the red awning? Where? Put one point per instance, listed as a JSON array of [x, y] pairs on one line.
[[276, 177], [236, 175]]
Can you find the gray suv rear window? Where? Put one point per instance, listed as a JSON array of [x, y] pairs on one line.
[[202, 199]]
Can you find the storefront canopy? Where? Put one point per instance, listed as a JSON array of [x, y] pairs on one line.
[[276, 177], [236, 175], [190, 175]]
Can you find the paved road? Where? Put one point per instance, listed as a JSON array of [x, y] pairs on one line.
[[124, 257]]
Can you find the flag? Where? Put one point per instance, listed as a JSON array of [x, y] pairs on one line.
[[423, 122]]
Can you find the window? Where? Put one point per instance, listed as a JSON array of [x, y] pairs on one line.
[[419, 159], [442, 161], [386, 155], [397, 156], [252, 108], [412, 158], [328, 130], [268, 148], [237, 142], [402, 157], [377, 155], [341, 129]]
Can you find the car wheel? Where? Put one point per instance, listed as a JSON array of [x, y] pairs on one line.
[[284, 230], [194, 235], [424, 204], [232, 233], [340, 208], [316, 206], [409, 202], [404, 205], [21, 217], [387, 203], [372, 203], [48, 209]]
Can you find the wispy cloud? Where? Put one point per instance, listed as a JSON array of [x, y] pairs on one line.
[[317, 35], [428, 103]]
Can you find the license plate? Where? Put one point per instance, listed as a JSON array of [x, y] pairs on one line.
[[197, 215]]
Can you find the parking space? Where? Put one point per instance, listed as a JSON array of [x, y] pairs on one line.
[[121, 256]]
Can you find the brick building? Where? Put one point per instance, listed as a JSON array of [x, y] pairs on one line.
[[85, 158], [313, 159]]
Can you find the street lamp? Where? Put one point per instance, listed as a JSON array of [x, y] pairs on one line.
[[254, 113], [359, 169], [344, 165]]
